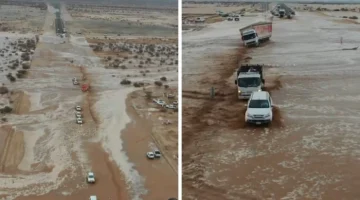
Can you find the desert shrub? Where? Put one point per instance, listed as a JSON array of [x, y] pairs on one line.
[[6, 109], [21, 73], [26, 65], [158, 83], [11, 77], [163, 78], [125, 82], [4, 90], [138, 84]]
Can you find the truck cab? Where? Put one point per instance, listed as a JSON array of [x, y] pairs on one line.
[[282, 12], [259, 108], [249, 79], [250, 38]]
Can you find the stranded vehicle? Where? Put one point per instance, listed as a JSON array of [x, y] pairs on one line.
[[78, 108], [90, 177], [259, 108], [157, 154], [79, 121], [281, 13], [256, 33], [150, 155], [249, 79], [93, 197]]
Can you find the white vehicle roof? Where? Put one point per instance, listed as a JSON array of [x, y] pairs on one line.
[[93, 197], [262, 95], [248, 74], [248, 32], [91, 174]]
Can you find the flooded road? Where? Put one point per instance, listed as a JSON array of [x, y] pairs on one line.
[[312, 151]]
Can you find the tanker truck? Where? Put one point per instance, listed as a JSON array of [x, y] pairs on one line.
[[256, 33]]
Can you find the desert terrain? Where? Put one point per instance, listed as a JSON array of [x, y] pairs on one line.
[[310, 151], [44, 153]]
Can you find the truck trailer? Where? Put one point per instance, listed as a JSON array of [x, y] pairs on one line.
[[256, 33], [249, 79]]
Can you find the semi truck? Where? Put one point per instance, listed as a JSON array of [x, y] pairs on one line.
[[249, 79], [256, 33]]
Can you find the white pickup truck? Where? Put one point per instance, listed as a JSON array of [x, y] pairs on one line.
[[259, 108]]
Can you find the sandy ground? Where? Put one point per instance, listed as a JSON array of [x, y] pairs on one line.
[[100, 21], [44, 154], [311, 149]]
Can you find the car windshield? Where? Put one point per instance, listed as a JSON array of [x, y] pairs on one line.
[[91, 176], [249, 37], [259, 104], [249, 82]]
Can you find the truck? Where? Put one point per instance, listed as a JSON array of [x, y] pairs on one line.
[[256, 33], [281, 13], [249, 79]]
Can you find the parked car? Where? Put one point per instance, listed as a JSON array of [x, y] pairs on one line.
[[150, 155], [157, 154]]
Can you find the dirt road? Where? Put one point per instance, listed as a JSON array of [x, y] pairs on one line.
[[311, 150]]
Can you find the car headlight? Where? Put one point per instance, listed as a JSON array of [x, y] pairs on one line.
[[248, 115], [239, 91], [259, 90], [268, 115]]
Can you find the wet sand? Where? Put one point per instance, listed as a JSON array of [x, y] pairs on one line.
[[312, 150], [138, 140]]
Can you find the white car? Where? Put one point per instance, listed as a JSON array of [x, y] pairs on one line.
[[78, 108], [159, 102], [78, 114], [90, 177], [259, 108], [157, 154], [170, 106], [93, 197], [75, 82], [79, 121], [150, 155]]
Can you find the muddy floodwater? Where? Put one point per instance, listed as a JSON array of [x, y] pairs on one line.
[[312, 151]]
